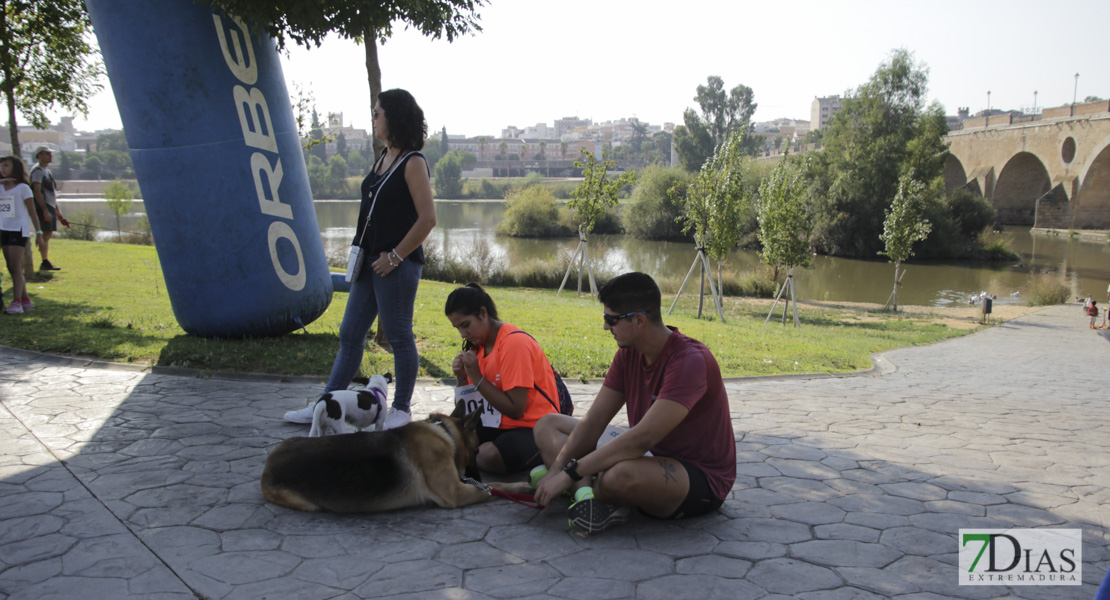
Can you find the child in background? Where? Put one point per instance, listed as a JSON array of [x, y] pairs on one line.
[[1093, 312]]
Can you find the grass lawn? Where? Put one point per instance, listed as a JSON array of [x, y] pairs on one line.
[[109, 302]]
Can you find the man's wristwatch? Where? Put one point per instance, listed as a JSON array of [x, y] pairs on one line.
[[571, 469]]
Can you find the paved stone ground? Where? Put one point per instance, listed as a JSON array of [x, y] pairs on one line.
[[123, 484]]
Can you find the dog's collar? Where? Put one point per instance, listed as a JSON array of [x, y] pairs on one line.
[[441, 424]]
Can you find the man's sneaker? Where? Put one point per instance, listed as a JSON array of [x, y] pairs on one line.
[[536, 475], [302, 416], [396, 418], [27, 304], [590, 515], [15, 308], [48, 266]]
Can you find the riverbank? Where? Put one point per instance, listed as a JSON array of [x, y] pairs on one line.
[[955, 317], [109, 303]]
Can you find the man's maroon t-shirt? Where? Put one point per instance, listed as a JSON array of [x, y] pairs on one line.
[[686, 373]]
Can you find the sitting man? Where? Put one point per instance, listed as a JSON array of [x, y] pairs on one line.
[[678, 459]]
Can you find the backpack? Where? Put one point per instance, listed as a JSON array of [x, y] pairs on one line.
[[566, 405]]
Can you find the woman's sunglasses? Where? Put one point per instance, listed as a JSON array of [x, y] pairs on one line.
[[612, 320]]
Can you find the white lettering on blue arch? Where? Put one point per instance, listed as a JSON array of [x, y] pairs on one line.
[[258, 133]]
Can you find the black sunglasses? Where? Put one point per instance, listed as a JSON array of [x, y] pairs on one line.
[[612, 320]]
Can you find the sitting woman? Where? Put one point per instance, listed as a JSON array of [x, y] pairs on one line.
[[509, 368]]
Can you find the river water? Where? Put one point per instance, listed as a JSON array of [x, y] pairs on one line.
[[461, 225]]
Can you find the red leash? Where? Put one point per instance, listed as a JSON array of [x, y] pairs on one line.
[[528, 500]]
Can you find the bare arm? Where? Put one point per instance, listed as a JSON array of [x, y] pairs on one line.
[[40, 199], [661, 418], [416, 175], [34, 216], [512, 403], [583, 439]]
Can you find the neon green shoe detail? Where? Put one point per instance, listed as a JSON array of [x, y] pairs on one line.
[[536, 475], [583, 493], [588, 515]]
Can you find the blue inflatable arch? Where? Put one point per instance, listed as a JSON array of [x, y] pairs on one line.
[[218, 157]]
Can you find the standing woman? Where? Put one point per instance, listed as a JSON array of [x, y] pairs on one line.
[[17, 222], [396, 215]]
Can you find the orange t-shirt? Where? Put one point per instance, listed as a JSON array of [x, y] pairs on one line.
[[518, 361]]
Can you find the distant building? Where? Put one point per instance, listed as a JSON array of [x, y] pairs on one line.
[[568, 124], [356, 139], [822, 110], [59, 137]]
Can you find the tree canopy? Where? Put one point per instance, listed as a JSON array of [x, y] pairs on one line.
[[46, 60], [905, 224], [370, 23], [308, 23], [784, 222], [880, 133], [715, 200], [597, 191], [722, 114]]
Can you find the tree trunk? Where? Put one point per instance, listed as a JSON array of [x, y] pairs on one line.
[[701, 291], [9, 92], [374, 76], [720, 282], [896, 286], [13, 129]]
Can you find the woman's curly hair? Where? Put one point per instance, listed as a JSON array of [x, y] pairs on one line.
[[405, 119]]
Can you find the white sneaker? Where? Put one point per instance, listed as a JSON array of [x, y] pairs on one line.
[[302, 416], [394, 419]]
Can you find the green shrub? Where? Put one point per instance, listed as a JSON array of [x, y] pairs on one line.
[[758, 283], [1045, 289], [651, 213], [958, 218], [532, 212], [539, 273], [608, 222], [994, 246], [449, 183], [484, 189], [83, 225]]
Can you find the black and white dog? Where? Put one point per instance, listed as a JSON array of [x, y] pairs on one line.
[[360, 407]]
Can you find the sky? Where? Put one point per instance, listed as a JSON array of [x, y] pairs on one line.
[[539, 60]]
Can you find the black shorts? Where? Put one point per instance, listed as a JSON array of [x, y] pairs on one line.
[[517, 447], [12, 238], [52, 224], [699, 499]]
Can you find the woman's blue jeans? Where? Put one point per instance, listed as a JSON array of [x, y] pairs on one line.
[[390, 299]]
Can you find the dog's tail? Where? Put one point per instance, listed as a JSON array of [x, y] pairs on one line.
[[318, 419]]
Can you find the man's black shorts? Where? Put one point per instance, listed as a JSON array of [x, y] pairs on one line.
[[699, 500], [52, 224]]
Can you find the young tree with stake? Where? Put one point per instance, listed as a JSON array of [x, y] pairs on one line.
[[785, 226], [904, 225], [592, 197]]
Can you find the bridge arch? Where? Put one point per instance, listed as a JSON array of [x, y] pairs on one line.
[[1024, 179], [1092, 211], [954, 173]]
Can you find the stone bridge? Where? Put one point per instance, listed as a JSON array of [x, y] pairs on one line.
[[1046, 171]]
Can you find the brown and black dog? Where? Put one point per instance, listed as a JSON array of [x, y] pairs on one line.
[[376, 471]]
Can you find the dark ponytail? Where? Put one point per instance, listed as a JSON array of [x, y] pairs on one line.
[[469, 300]]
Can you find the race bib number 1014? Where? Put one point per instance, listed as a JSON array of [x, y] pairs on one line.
[[472, 400]]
